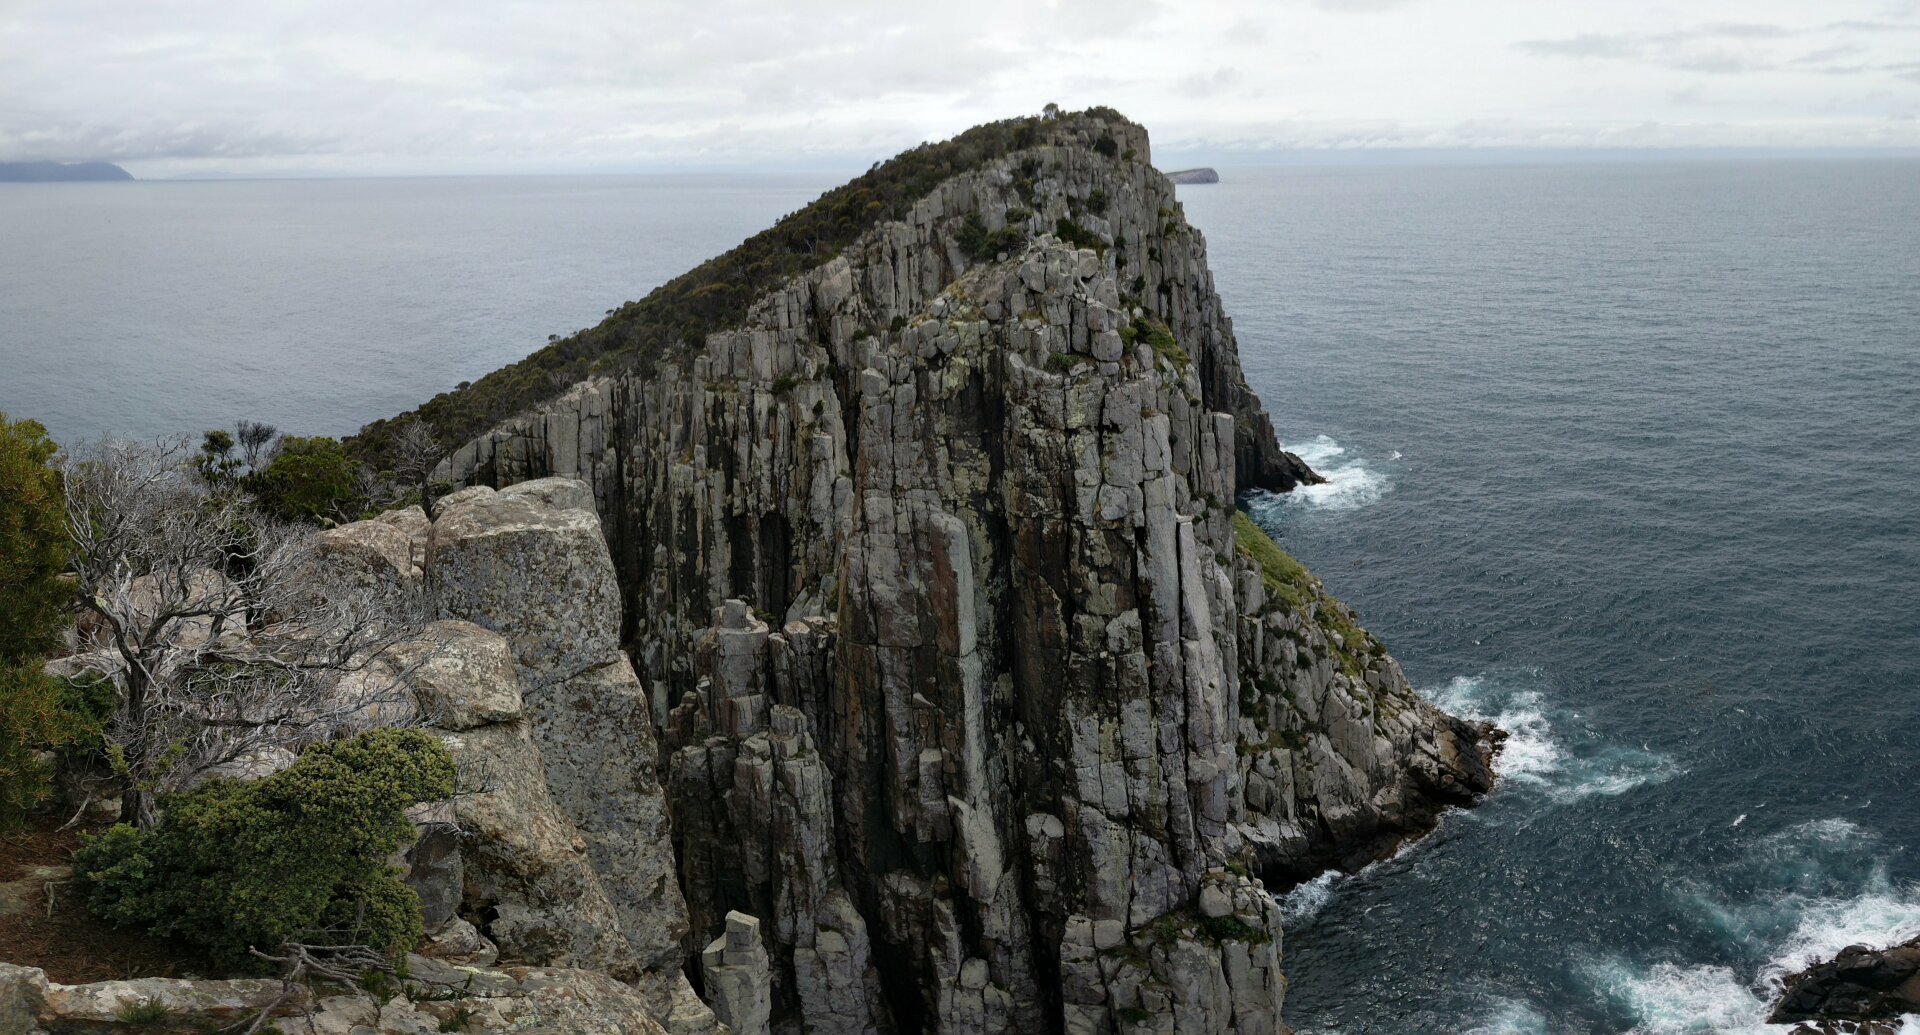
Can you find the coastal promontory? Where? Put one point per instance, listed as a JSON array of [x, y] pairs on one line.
[[61, 172]]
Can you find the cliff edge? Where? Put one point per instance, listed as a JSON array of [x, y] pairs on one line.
[[979, 705]]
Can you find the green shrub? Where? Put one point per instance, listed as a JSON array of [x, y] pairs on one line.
[[981, 245], [300, 856], [310, 479], [1156, 334], [39, 713], [33, 542], [36, 713], [1079, 236], [1232, 928], [144, 1013]]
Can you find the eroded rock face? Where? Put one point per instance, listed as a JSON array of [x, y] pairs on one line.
[[969, 690], [555, 849], [569, 855]]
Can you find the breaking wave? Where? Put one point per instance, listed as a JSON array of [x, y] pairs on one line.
[[1538, 756], [1306, 900], [1810, 891], [1351, 482]]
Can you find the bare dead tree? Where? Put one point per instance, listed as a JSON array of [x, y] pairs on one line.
[[227, 637], [255, 439], [417, 451]]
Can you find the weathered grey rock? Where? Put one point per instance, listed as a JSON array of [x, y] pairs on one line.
[[932, 580], [186, 1004], [739, 984], [462, 675], [588, 876], [372, 553], [536, 573], [433, 865], [23, 994], [460, 944], [525, 862], [518, 1000]]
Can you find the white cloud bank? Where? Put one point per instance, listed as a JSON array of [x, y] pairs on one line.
[[174, 87]]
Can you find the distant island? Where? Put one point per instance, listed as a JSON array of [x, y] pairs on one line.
[[60, 172], [1185, 176]]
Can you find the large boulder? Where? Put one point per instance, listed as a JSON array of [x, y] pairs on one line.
[[538, 573]]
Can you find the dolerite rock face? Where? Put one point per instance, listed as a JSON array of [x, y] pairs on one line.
[[1861, 984], [970, 687], [530, 564]]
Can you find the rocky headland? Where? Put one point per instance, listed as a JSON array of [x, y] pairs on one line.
[[1186, 176], [61, 172], [895, 659]]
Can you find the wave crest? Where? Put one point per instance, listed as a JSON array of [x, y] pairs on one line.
[[1536, 756]]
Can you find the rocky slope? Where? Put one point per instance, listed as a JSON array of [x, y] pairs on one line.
[[979, 708]]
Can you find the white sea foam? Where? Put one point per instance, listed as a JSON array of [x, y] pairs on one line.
[[1306, 900], [1511, 1017], [1351, 482], [1536, 757], [1822, 886]]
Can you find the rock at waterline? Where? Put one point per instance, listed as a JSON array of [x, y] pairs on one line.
[[1860, 984]]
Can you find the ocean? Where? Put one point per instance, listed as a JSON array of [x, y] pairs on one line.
[[1624, 456]]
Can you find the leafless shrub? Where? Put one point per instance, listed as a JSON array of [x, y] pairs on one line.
[[228, 638]]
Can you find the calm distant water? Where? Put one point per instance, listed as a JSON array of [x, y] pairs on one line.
[[318, 305], [1628, 458], [1624, 456]]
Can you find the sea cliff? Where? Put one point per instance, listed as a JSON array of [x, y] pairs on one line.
[[892, 659], [972, 686]]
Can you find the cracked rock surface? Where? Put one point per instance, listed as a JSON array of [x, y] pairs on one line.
[[966, 682]]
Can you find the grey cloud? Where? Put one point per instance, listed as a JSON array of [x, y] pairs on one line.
[[1221, 80], [1728, 48]]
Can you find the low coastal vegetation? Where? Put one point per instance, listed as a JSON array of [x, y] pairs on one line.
[[38, 713], [716, 295], [201, 641], [1291, 582], [243, 867]]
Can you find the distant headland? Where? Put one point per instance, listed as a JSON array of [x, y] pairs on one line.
[[1186, 176], [60, 172]]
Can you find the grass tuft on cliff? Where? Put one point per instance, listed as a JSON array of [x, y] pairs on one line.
[[1285, 577], [1290, 581], [714, 296]]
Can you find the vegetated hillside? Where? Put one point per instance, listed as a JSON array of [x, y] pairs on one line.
[[717, 294]]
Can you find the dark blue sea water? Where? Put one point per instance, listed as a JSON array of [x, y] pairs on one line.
[[158, 308], [1625, 456]]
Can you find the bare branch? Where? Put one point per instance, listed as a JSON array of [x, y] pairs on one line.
[[232, 641]]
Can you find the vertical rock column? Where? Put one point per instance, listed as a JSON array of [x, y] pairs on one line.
[[530, 562]]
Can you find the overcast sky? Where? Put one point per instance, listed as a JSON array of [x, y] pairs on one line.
[[173, 87]]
